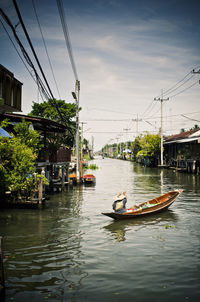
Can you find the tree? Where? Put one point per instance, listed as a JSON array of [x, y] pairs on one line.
[[28, 136], [195, 127], [17, 161], [17, 158], [150, 145], [68, 112], [47, 110], [135, 146]]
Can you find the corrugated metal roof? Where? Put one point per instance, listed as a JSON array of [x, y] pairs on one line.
[[188, 139], [195, 133], [182, 135], [39, 123], [184, 140]]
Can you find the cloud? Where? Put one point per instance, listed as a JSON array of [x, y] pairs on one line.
[[123, 61]]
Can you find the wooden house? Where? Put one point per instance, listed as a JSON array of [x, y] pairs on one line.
[[10, 91], [182, 151]]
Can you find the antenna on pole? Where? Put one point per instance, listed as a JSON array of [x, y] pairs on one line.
[[161, 100]]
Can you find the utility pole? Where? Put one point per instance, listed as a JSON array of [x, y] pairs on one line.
[[137, 120], [127, 129], [117, 138], [92, 146], [137, 126], [161, 100], [82, 149], [76, 97]]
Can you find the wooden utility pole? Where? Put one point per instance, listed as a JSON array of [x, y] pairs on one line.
[[161, 100], [137, 126], [127, 129], [82, 148], [76, 97]]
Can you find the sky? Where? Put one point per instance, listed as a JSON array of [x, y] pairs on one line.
[[127, 53]]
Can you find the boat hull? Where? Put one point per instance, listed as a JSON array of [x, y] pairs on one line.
[[89, 179], [162, 203]]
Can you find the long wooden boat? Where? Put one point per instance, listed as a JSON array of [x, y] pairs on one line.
[[152, 206]]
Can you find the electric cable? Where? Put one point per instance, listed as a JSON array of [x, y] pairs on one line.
[[26, 56], [178, 86], [184, 89], [39, 89], [190, 118], [148, 108], [67, 37], [172, 88], [52, 100], [45, 46], [16, 49]]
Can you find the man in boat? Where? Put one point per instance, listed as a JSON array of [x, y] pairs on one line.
[[119, 205]]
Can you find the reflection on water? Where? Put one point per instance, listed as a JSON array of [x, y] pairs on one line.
[[68, 251], [119, 228], [44, 254]]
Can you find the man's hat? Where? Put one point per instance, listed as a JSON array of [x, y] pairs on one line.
[[119, 196]]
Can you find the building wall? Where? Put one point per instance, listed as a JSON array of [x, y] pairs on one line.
[[183, 151], [10, 91]]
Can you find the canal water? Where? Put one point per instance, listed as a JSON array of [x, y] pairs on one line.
[[69, 251]]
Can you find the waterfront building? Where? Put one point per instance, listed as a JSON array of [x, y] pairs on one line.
[[182, 151]]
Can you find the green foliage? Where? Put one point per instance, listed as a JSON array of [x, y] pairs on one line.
[[168, 226], [17, 159], [195, 127], [85, 142], [149, 145], [68, 111], [87, 157], [136, 146], [5, 123], [93, 167], [28, 136], [47, 110]]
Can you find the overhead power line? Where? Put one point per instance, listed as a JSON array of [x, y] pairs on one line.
[[175, 87], [191, 119], [184, 80], [149, 108], [109, 110], [31, 45], [26, 56], [51, 99], [184, 89], [110, 120], [169, 90], [67, 37], [183, 83], [45, 46], [16, 49]]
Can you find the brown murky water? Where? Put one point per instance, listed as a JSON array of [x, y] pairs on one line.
[[68, 251]]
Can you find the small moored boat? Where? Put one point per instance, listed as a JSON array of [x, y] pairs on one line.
[[89, 178], [152, 206]]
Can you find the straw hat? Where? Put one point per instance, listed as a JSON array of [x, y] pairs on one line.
[[119, 196]]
